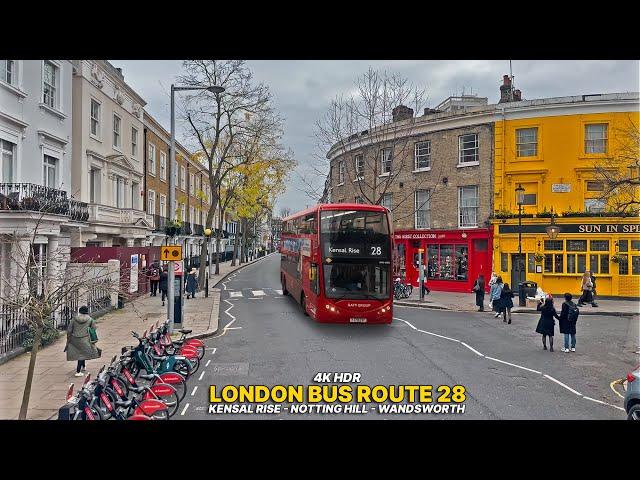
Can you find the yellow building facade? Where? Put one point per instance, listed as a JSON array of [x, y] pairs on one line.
[[556, 152]]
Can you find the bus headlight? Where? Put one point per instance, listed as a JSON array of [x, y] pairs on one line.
[[333, 309], [327, 306]]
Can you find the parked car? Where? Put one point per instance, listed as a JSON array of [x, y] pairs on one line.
[[632, 397]]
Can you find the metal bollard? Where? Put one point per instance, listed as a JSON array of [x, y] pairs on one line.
[[206, 287]]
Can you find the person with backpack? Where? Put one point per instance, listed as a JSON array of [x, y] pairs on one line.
[[506, 302], [154, 279], [494, 296], [568, 318]]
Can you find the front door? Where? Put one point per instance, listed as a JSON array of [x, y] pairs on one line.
[[517, 270]]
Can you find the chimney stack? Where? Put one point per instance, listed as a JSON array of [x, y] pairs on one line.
[[505, 89], [402, 112], [430, 111], [517, 95]]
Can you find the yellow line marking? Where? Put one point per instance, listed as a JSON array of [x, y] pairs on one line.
[[617, 382]]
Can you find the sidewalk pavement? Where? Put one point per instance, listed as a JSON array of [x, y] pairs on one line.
[[53, 373], [466, 302]]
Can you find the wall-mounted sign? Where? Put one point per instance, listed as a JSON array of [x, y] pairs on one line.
[[595, 228], [133, 274], [538, 268], [561, 187]]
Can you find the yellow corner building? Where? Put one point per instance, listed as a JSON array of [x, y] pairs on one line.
[[558, 155]]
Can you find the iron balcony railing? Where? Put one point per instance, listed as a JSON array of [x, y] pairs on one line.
[[38, 198], [198, 229], [159, 222]]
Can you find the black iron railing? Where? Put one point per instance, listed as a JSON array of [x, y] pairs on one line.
[[186, 229], [159, 222], [38, 198], [198, 229]]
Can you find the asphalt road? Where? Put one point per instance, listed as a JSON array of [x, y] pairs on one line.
[[265, 339]]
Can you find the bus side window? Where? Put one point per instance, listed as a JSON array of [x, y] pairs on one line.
[[313, 277]]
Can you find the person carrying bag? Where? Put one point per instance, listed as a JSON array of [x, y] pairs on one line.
[[81, 340]]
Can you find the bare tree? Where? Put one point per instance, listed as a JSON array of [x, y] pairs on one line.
[[221, 120], [39, 298], [375, 126], [619, 176], [285, 212]]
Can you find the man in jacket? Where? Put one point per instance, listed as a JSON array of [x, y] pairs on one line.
[[164, 284], [568, 318]]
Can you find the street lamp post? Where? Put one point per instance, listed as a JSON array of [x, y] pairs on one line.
[[520, 201], [207, 234], [172, 191]]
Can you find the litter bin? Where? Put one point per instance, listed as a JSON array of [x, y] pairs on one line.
[[526, 289]]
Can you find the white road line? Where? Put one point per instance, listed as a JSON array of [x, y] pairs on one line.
[[562, 385], [514, 365], [395, 318], [256, 298], [201, 375], [257, 293], [472, 349], [213, 350], [234, 328], [436, 335], [184, 409], [235, 294], [208, 362], [194, 390], [603, 403], [279, 292]]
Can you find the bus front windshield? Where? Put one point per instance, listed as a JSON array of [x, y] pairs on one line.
[[355, 254]]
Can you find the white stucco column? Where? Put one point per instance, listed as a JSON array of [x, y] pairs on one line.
[[131, 242], [19, 260]]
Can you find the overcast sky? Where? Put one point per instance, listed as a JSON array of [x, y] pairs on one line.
[[303, 89]]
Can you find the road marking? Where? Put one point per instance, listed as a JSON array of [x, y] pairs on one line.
[[472, 349], [194, 390], [279, 292], [514, 365], [201, 375], [235, 294], [562, 384], [257, 293], [208, 362], [517, 366], [603, 403], [234, 328], [213, 350], [184, 409], [616, 382]]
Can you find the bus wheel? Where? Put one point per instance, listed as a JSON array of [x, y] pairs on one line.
[[284, 286], [303, 302]]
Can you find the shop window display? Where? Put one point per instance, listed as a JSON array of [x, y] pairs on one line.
[[448, 262]]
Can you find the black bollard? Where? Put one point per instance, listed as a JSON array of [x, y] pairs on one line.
[[206, 287]]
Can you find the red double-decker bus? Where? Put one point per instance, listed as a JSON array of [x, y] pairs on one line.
[[336, 262]]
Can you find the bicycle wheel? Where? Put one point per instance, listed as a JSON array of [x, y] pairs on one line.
[[169, 397], [181, 387], [195, 364], [183, 367]]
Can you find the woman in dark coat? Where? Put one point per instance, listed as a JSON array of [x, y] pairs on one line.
[[164, 284], [478, 288], [506, 302], [547, 323], [568, 326], [192, 283], [79, 346]]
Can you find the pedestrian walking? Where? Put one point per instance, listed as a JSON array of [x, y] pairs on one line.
[[425, 289], [494, 295], [506, 302], [478, 288], [164, 283], [154, 279], [586, 288], [492, 282], [80, 345], [192, 283], [568, 318], [546, 324], [593, 289]]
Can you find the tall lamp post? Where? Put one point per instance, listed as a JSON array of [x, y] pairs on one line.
[[172, 190], [520, 201]]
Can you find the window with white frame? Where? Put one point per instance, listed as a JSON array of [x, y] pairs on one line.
[[527, 142], [49, 171], [134, 141], [94, 185], [594, 205], [385, 201], [385, 161], [135, 195], [183, 178], [422, 155], [340, 173], [119, 191], [192, 215], [183, 212], [468, 206], [192, 183], [151, 202], [198, 216], [151, 161], [359, 164], [197, 183], [163, 166], [95, 118], [117, 129], [8, 72], [468, 149], [7, 159], [595, 138], [50, 81], [422, 206], [163, 205]]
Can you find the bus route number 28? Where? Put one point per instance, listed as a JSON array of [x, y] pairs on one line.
[[376, 251]]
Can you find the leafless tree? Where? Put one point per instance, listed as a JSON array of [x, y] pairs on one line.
[[221, 120], [285, 212], [375, 126], [619, 175]]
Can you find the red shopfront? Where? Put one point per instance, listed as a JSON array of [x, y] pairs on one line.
[[453, 258]]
